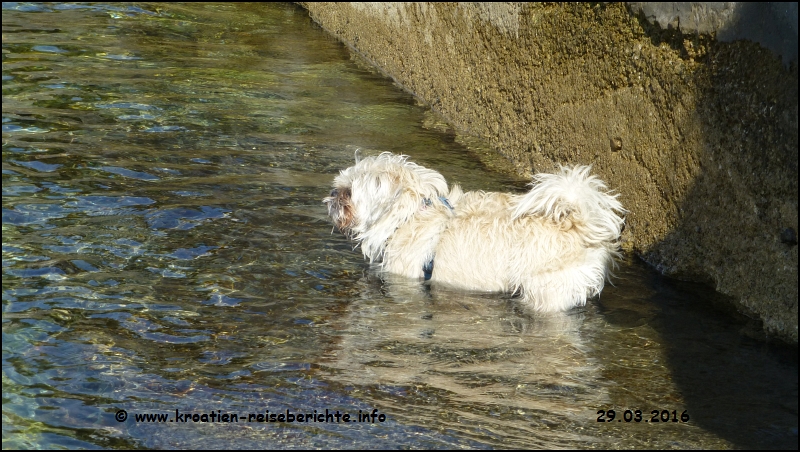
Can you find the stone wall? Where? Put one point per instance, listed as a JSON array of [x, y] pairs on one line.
[[698, 135]]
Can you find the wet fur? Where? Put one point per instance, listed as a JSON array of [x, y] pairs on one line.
[[554, 244]]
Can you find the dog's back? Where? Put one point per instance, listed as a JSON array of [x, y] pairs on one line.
[[554, 243]]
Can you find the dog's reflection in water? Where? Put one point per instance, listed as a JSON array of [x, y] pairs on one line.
[[478, 348]]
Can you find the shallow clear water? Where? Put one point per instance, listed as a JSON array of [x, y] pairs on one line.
[[165, 248]]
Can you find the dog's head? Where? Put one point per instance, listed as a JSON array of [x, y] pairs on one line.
[[377, 195]]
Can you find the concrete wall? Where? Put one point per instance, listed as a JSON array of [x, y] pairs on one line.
[[698, 135]]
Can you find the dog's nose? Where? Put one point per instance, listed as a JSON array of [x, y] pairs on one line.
[[334, 192]]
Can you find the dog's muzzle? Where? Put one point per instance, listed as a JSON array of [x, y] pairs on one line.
[[340, 210]]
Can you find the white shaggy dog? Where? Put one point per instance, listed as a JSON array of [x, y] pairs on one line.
[[553, 244]]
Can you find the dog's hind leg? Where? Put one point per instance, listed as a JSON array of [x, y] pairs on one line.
[[561, 290]]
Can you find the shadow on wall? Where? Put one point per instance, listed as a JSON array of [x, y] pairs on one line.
[[771, 24], [747, 182], [746, 178]]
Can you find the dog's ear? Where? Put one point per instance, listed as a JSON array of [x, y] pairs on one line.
[[431, 183]]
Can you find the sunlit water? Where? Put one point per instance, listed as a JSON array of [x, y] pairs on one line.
[[165, 248]]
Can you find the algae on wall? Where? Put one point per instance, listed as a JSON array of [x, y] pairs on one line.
[[698, 136]]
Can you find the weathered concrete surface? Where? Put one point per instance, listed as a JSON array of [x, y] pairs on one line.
[[699, 136], [771, 24]]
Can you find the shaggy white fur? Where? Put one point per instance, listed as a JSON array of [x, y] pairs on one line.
[[554, 244]]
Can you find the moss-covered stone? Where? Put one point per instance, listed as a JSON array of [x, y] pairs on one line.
[[698, 136]]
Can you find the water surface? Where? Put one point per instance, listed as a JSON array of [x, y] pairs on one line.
[[165, 248]]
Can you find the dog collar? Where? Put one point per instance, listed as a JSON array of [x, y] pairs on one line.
[[427, 269], [428, 202]]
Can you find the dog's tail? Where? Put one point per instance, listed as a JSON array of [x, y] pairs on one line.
[[574, 199]]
